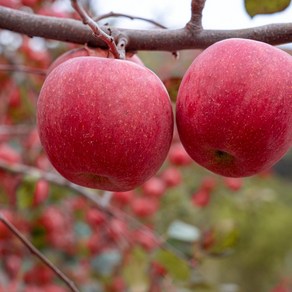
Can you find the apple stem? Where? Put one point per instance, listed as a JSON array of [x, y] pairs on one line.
[[97, 31]]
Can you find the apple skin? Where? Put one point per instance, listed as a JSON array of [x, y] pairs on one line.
[[105, 123], [234, 107]]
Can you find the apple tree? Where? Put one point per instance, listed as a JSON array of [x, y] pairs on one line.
[[116, 178]]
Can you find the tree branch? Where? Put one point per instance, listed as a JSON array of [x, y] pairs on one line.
[[15, 130], [69, 30], [21, 68], [195, 22], [38, 254]]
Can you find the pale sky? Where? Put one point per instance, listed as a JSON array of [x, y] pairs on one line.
[[217, 14]]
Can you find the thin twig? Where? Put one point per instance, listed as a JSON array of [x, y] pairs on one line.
[[98, 33], [132, 17], [15, 130], [24, 69], [38, 254]]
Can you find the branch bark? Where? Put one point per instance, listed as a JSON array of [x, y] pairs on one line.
[[74, 31]]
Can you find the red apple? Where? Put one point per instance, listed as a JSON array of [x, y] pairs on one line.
[[201, 198], [95, 217], [41, 192], [123, 198], [234, 107], [178, 155], [233, 183], [154, 187], [144, 207], [208, 183], [105, 123], [172, 176], [146, 239]]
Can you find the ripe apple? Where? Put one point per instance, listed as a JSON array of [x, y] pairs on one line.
[[178, 156], [105, 123], [234, 107], [123, 199], [144, 206], [146, 239], [201, 198], [154, 187], [172, 176]]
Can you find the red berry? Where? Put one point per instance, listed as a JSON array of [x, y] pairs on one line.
[[123, 198], [233, 183], [41, 192], [178, 155], [95, 217], [146, 239], [144, 207], [172, 177], [154, 187], [8, 154], [201, 198], [208, 183]]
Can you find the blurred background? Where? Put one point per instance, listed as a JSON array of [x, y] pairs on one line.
[[185, 229]]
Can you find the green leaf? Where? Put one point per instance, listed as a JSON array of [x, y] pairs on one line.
[[25, 193], [176, 267], [225, 235], [254, 7]]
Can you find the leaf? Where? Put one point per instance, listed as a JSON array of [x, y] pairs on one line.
[[221, 239], [254, 7], [176, 267], [25, 193]]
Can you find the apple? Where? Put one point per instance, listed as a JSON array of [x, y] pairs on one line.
[[144, 206], [123, 198], [154, 187], [201, 198], [86, 52], [208, 183], [146, 239], [105, 123], [41, 192], [95, 217], [178, 156], [172, 176], [234, 107], [233, 183]]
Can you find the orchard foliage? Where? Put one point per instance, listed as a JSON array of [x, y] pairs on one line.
[[183, 229]]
